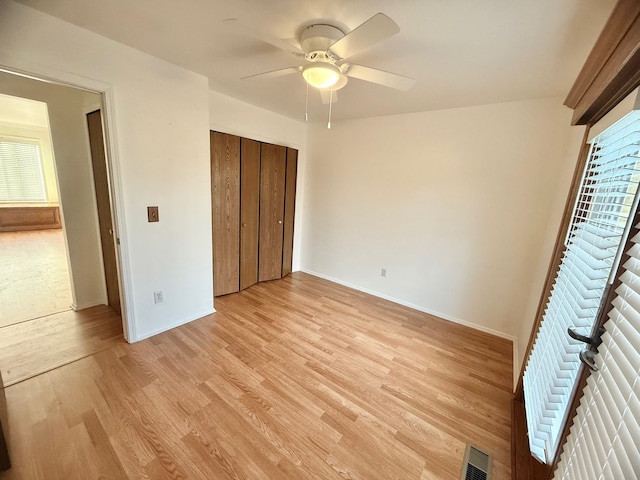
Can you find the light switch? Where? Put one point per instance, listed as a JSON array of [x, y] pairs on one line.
[[152, 214]]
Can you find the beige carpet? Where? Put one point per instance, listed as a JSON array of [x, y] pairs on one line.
[[34, 278]]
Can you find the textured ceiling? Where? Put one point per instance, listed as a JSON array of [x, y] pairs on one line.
[[461, 52]]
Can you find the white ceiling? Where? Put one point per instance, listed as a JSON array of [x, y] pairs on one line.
[[461, 52]]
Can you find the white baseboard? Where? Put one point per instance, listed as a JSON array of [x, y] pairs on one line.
[[177, 323], [84, 305], [417, 307]]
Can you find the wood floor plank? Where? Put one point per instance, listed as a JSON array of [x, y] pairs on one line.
[[36, 346], [298, 378]]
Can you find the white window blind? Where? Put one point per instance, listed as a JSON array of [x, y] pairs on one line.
[[21, 178], [604, 441], [600, 217]]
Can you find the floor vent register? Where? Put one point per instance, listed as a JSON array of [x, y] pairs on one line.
[[476, 465]]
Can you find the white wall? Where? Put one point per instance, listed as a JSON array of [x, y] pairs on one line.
[[75, 182], [460, 206], [158, 128], [233, 116]]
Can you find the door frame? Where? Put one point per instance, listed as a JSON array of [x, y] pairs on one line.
[[48, 74]]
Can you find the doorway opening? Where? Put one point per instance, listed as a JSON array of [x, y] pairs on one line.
[[66, 324], [32, 249]]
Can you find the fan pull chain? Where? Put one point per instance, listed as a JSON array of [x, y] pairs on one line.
[[330, 104], [306, 106]]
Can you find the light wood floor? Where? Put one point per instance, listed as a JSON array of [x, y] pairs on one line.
[[37, 346], [292, 379], [35, 278]]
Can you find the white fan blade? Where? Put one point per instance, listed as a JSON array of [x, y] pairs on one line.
[[326, 96], [274, 73], [263, 36], [376, 29], [380, 77]]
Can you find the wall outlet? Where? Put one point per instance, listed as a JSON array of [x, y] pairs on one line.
[[157, 296], [383, 272]]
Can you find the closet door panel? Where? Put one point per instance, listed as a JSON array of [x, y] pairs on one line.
[[289, 210], [272, 189], [249, 211], [225, 209]]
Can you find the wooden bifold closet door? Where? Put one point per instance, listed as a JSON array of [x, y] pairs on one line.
[[225, 211], [289, 210], [253, 207], [249, 211], [272, 178]]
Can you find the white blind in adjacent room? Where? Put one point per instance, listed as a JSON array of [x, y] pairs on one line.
[[600, 217], [604, 442], [21, 178]]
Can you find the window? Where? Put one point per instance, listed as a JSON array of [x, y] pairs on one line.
[[603, 442], [21, 178], [599, 224]]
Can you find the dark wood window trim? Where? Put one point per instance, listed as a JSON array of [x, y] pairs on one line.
[[612, 69], [611, 72]]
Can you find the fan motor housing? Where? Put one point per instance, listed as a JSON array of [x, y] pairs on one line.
[[318, 38]]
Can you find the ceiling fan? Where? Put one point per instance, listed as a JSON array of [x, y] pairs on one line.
[[325, 49]]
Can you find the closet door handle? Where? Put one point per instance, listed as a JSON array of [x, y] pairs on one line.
[[244, 225], [279, 222]]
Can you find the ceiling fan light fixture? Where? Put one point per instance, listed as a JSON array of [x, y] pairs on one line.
[[321, 75]]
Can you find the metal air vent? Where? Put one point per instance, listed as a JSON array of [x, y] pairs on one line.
[[476, 465]]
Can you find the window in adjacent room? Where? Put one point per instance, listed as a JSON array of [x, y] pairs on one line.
[[21, 176]]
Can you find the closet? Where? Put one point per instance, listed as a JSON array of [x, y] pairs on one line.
[[253, 188]]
